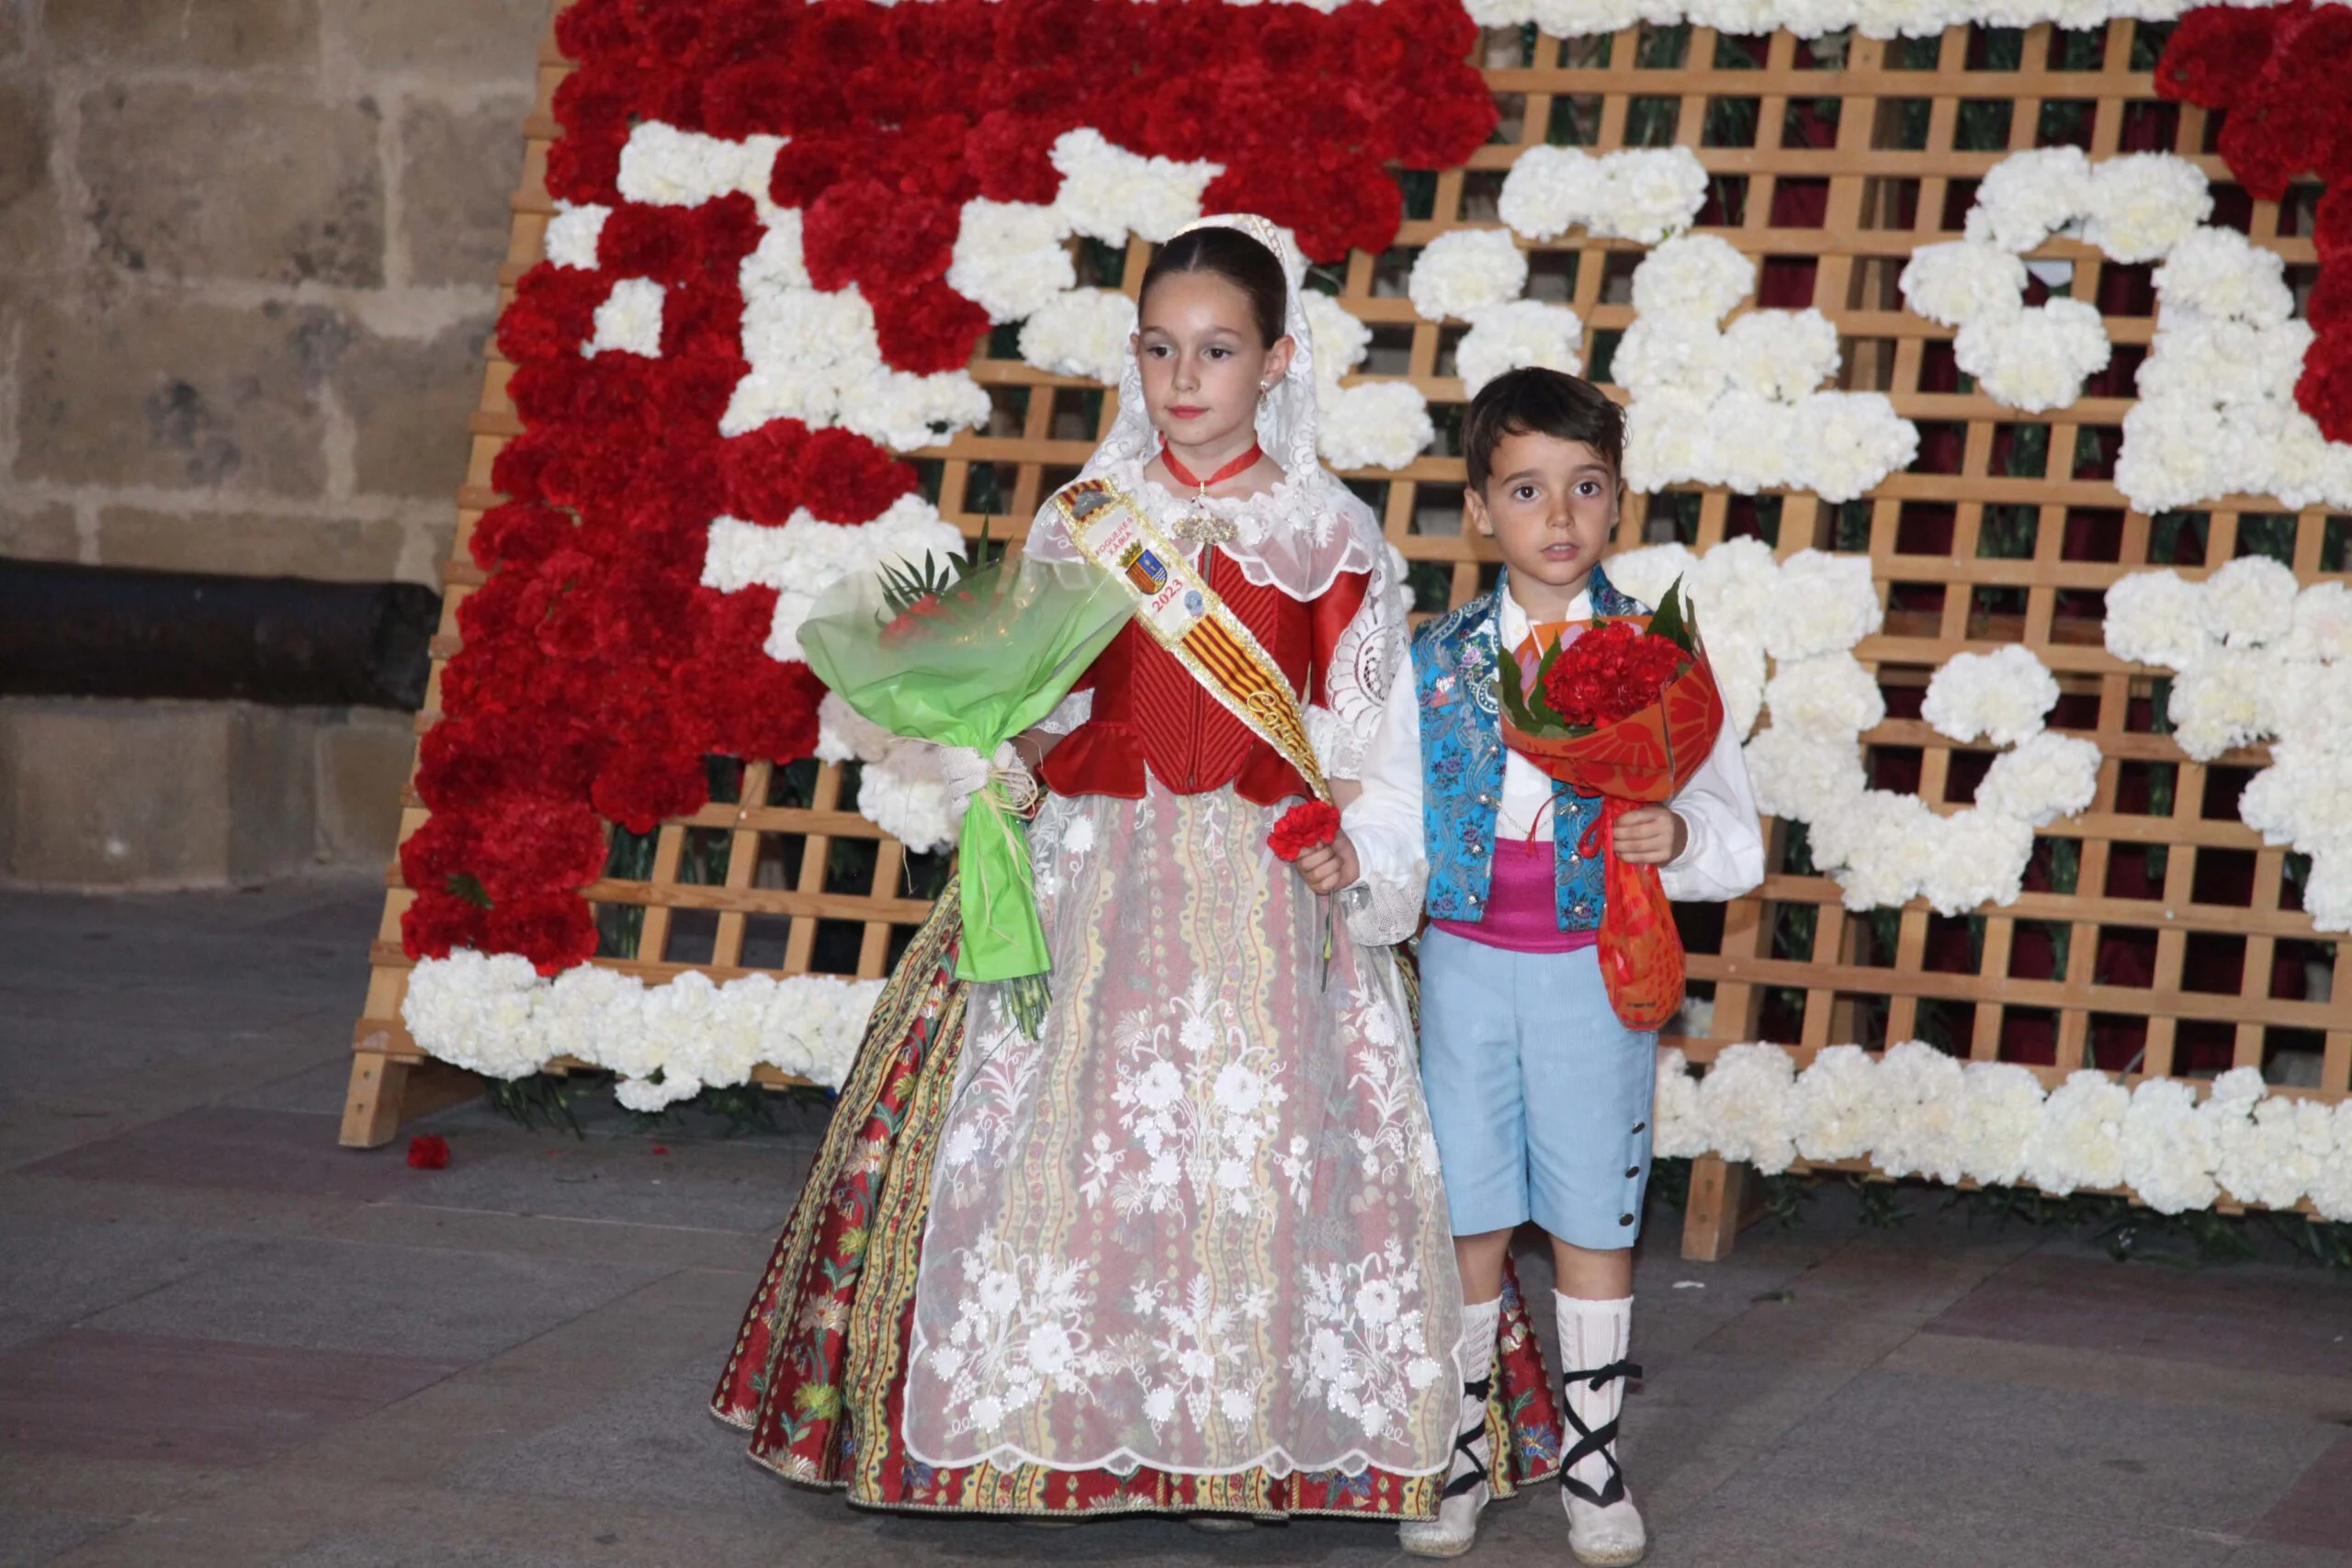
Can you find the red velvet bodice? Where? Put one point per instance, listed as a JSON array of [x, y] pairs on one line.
[[1151, 711]]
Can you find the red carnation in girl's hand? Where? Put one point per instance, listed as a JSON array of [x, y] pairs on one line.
[[1304, 828], [1610, 673]]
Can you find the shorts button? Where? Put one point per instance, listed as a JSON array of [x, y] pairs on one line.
[[1639, 1125], [1632, 1171], [1625, 1219]]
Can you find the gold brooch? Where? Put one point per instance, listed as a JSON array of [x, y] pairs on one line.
[[1204, 528]]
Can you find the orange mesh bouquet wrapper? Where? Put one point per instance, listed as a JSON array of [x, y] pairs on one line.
[[1641, 759]]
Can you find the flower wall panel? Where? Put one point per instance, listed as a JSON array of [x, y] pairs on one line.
[[2152, 932]]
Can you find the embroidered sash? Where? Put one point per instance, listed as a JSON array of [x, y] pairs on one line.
[[1185, 617]]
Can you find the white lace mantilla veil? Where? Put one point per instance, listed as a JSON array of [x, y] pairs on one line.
[[1197, 1223], [1311, 527]]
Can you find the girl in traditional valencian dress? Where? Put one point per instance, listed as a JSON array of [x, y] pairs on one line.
[[1185, 1249]]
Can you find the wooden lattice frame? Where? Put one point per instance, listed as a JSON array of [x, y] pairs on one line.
[[1851, 982]]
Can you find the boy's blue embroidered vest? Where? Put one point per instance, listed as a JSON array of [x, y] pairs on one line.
[[1462, 763]]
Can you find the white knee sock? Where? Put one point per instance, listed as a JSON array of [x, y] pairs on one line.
[[1474, 1357], [1594, 1337]]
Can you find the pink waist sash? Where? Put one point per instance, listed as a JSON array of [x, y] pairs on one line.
[[1522, 903]]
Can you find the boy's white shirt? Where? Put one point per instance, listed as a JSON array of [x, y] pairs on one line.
[[1724, 857]]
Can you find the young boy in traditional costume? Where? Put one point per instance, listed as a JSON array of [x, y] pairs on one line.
[[1540, 1096]]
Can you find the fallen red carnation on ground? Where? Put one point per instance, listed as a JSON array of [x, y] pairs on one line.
[[428, 1151]]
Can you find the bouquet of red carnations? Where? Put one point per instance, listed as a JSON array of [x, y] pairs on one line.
[[1626, 710]]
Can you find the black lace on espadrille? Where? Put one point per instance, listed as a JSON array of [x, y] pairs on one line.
[[1590, 1441], [1477, 1475]]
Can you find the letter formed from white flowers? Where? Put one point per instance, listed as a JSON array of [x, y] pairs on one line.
[[2257, 657], [1737, 406]]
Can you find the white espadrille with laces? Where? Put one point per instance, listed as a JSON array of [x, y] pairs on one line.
[[1605, 1529], [1455, 1530]]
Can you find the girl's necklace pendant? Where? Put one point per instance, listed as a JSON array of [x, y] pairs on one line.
[[1203, 526]]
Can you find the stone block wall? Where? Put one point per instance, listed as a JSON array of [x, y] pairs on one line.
[[249, 255]]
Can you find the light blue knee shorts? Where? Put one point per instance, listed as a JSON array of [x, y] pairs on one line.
[[1539, 1096]]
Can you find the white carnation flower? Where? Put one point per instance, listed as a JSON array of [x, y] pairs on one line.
[[1671, 352], [2331, 1194], [1678, 1131], [2047, 777], [1009, 258], [2169, 1154], [806, 557], [2142, 204], [777, 264], [1108, 191], [1746, 1102], [2249, 601], [1647, 571], [1828, 604], [474, 1011], [894, 408], [1518, 333], [1973, 858], [1837, 1106], [1922, 1102], [2000, 695], [2080, 1141], [574, 234], [1464, 270], [2037, 358], [1962, 281], [1378, 424], [2001, 1115], [1736, 588], [1648, 193], [2227, 699], [2156, 617], [1753, 442], [2220, 272], [2028, 196], [1081, 333], [1850, 442], [1668, 438], [1881, 847], [1692, 275], [1549, 190], [664, 166], [1800, 777], [630, 320], [1342, 339], [1780, 353], [1830, 697], [1738, 664], [2323, 625]]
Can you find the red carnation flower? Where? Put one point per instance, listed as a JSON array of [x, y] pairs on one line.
[[1610, 673], [2332, 231], [2329, 308], [638, 787], [553, 312], [641, 241], [517, 533], [762, 471], [1012, 155], [428, 1151], [2216, 53], [555, 930], [752, 97], [844, 478], [928, 329], [2324, 388], [865, 232], [437, 923], [1303, 827]]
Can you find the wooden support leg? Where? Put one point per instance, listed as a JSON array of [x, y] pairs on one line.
[[386, 1091], [1724, 1196]]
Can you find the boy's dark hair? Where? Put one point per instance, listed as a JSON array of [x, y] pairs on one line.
[[1542, 402], [1234, 256]]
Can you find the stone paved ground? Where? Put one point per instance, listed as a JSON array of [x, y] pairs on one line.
[[224, 1340]]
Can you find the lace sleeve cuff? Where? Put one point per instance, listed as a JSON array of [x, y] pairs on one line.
[[1074, 710], [1337, 745], [1380, 913]]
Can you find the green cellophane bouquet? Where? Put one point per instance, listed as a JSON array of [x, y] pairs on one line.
[[973, 658]]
